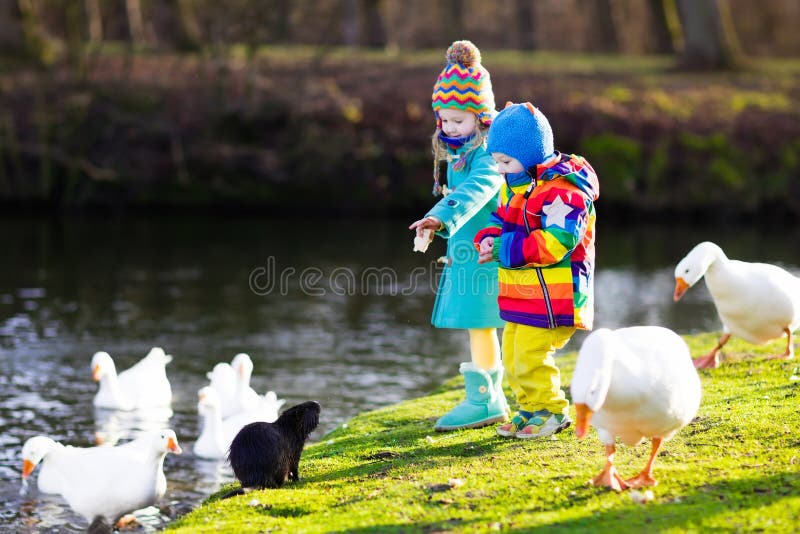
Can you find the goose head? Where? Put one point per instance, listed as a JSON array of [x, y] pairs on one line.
[[592, 377], [167, 441], [163, 441], [692, 267], [33, 451], [208, 402], [243, 366], [102, 365]]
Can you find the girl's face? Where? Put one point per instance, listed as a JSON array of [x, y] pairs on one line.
[[457, 123], [506, 164]]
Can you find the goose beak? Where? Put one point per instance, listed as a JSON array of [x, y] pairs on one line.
[[96, 374], [680, 288], [173, 446], [583, 416], [27, 468]]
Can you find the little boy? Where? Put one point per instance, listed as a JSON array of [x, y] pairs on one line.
[[543, 236]]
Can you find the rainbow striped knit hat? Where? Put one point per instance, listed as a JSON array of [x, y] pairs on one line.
[[464, 84]]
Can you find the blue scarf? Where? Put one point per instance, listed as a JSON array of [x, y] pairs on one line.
[[455, 142]]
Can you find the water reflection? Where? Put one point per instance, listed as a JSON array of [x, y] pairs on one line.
[[69, 288], [211, 474], [111, 426]]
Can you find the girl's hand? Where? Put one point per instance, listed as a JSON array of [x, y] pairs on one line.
[[428, 223], [485, 251]]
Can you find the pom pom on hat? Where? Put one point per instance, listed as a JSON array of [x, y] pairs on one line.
[[463, 52], [464, 83], [522, 132]]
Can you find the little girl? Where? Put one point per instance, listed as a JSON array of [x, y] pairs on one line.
[[463, 103]]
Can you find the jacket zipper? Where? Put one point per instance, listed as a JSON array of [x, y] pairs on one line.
[[527, 194], [551, 320]]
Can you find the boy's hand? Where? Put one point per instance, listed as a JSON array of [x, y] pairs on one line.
[[428, 223], [485, 251]]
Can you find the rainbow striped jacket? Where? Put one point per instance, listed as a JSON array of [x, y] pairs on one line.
[[544, 233]]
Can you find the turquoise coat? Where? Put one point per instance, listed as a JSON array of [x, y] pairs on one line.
[[467, 294]]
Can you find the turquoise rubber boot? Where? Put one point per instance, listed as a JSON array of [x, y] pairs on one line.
[[485, 403], [497, 380]]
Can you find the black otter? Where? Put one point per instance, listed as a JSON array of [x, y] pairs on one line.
[[265, 455]]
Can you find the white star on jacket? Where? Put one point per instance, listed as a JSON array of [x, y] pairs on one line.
[[556, 213]]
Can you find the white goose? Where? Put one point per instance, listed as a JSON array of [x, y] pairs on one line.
[[223, 379], [50, 453], [217, 433], [635, 383], [105, 481], [145, 385], [232, 383], [757, 302]]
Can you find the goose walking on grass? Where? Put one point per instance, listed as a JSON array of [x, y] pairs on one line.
[[635, 383], [757, 302], [145, 385]]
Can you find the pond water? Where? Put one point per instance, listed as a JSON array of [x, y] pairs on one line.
[[332, 310]]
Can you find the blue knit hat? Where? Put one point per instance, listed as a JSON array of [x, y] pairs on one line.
[[522, 132]]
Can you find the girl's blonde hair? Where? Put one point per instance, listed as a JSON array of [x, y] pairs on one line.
[[441, 154]]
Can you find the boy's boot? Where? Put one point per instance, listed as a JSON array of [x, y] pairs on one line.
[[485, 403]]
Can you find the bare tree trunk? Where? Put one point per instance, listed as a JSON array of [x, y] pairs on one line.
[[350, 23], [603, 27], [36, 42], [362, 23], [192, 35], [709, 40], [659, 28], [453, 20], [94, 17], [524, 24], [372, 24], [280, 29], [12, 35], [75, 22], [135, 22]]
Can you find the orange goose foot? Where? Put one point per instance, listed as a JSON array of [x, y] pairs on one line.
[[609, 477], [642, 479]]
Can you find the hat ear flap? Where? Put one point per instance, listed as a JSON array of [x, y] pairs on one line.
[[509, 104]]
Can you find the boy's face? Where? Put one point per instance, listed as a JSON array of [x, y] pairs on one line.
[[506, 164], [457, 123]]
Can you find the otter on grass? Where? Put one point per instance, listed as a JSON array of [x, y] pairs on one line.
[[265, 455]]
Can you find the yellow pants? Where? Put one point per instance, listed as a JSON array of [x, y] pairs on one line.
[[530, 367]]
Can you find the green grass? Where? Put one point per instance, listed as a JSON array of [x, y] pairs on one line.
[[736, 468]]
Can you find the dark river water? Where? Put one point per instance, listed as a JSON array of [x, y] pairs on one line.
[[332, 310]]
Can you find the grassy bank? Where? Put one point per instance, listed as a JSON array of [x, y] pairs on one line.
[[735, 468]]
